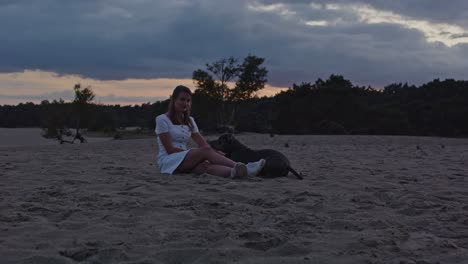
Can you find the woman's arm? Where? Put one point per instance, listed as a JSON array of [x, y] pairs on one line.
[[167, 143], [199, 140]]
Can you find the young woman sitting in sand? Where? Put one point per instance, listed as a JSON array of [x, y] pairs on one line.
[[174, 130]]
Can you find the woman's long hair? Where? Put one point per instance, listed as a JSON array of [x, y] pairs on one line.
[[172, 112]]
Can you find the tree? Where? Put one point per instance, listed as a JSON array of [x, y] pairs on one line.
[[83, 97], [54, 118], [249, 78], [56, 115], [207, 86], [252, 78], [217, 90]]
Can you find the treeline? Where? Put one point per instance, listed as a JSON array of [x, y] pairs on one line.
[[336, 106], [98, 117], [332, 106]]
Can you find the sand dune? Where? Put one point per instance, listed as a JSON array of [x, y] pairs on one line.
[[364, 199]]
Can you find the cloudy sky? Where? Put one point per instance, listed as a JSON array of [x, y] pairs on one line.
[[136, 51]]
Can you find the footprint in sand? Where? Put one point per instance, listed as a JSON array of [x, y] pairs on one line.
[[260, 241], [17, 218], [303, 196], [409, 211], [45, 260], [364, 201], [343, 225], [93, 252], [79, 254], [263, 203]]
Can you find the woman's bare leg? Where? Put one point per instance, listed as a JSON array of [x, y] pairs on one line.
[[213, 169], [198, 155]]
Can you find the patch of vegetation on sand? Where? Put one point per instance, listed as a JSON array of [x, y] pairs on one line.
[[125, 133]]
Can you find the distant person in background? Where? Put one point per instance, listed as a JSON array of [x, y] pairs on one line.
[[174, 130]]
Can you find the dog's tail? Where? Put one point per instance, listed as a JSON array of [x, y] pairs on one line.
[[299, 176]]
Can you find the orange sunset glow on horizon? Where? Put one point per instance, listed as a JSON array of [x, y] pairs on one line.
[[35, 86]]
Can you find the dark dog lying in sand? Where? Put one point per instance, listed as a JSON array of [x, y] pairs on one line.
[[277, 165]]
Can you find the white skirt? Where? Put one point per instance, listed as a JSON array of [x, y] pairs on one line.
[[169, 163]]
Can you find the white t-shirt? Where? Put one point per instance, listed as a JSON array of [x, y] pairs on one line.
[[180, 134]]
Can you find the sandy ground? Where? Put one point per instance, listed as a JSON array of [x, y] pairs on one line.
[[364, 199]]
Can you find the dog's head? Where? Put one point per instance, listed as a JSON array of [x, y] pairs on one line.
[[225, 143]]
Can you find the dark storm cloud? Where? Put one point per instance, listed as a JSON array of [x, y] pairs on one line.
[[151, 39], [117, 39], [374, 54]]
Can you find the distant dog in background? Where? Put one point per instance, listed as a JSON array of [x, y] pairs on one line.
[[277, 165]]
